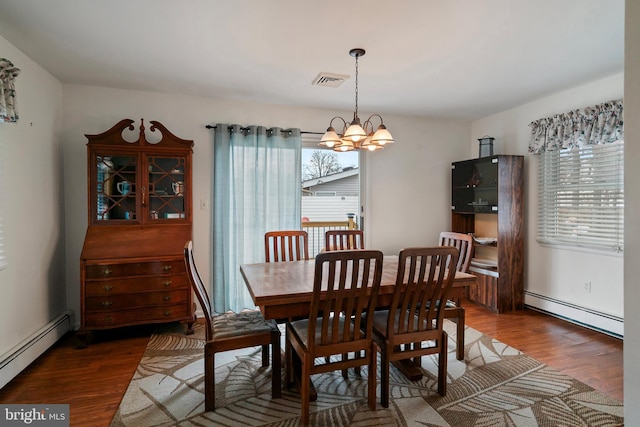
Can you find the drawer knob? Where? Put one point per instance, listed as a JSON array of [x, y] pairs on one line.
[[167, 313], [107, 271], [107, 319], [107, 287], [167, 298], [167, 267], [167, 282], [106, 303]]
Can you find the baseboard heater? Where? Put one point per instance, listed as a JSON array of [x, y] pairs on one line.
[[592, 319], [19, 357]]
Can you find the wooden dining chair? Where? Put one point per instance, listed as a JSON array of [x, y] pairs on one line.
[[346, 285], [454, 309], [339, 240], [412, 326], [286, 245], [232, 331]]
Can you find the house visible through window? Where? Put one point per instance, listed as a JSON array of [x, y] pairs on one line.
[[581, 197], [330, 191]]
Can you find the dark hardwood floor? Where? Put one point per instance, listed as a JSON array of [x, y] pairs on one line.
[[93, 380], [589, 356]]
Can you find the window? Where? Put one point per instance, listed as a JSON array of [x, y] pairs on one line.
[[331, 188], [581, 197]]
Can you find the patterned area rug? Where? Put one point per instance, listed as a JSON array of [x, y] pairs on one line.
[[496, 385]]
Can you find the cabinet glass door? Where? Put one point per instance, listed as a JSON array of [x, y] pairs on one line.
[[474, 186], [166, 187], [116, 187]]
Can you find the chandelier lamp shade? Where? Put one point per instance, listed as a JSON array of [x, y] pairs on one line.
[[354, 135]]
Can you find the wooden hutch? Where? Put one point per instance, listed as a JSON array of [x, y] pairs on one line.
[[132, 269], [487, 199]]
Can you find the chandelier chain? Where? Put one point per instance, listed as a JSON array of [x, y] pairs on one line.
[[356, 86]]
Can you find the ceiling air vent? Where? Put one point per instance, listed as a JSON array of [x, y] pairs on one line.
[[329, 79]]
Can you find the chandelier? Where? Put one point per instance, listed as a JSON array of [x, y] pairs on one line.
[[355, 136]]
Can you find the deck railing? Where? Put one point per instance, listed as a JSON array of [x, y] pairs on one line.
[[316, 230]]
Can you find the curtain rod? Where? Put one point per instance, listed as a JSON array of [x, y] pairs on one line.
[[283, 130]]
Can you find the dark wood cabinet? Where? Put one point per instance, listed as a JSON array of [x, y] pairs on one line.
[[132, 269], [487, 199]]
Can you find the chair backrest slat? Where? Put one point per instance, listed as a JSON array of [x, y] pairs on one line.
[[423, 283], [198, 288], [340, 240], [286, 245], [464, 244], [346, 285]]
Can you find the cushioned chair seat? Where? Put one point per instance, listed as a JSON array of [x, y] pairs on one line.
[[237, 324], [301, 329], [381, 317]]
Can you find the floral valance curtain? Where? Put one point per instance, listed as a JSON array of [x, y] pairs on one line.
[[599, 124], [8, 73]]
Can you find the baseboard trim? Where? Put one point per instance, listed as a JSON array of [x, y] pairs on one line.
[[592, 319], [19, 357]]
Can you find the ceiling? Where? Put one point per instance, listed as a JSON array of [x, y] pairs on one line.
[[441, 58]]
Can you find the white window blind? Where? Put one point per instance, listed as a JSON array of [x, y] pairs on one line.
[[581, 197]]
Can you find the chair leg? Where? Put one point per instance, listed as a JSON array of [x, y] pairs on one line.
[[371, 392], [460, 334], [209, 380], [356, 369], [265, 355], [345, 375], [418, 359], [442, 365], [384, 375], [276, 365], [288, 363], [305, 380]]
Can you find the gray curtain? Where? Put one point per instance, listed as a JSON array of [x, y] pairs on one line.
[[257, 188]]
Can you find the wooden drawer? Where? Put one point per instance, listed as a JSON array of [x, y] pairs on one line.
[[134, 285], [126, 301], [151, 268], [111, 319]]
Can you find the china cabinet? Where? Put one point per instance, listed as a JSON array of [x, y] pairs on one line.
[[132, 269], [487, 199]]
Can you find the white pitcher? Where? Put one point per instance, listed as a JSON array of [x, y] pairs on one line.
[[178, 188]]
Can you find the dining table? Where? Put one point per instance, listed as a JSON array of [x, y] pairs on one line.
[[284, 290]]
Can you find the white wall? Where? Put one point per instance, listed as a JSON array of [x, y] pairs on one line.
[[408, 197], [408, 182], [33, 285], [556, 273], [632, 207]]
